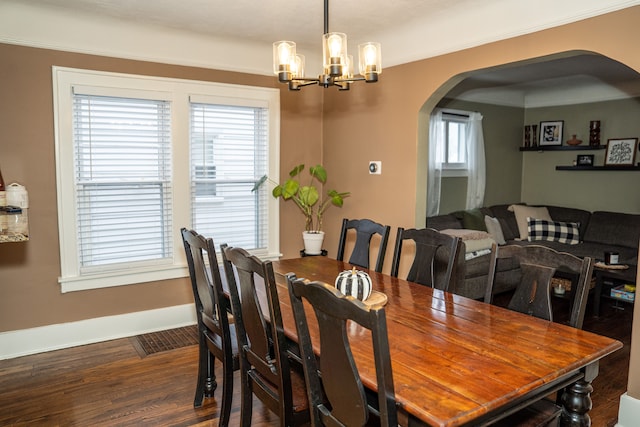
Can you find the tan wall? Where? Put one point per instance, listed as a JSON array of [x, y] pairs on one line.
[[29, 293]]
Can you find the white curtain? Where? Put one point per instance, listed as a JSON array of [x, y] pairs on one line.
[[436, 144], [476, 162]]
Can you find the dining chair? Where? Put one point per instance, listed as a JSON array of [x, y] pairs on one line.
[[364, 229], [216, 335], [538, 265], [265, 368], [335, 392], [431, 247]]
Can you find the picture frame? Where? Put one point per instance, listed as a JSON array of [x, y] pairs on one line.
[[621, 152], [551, 133], [584, 160]]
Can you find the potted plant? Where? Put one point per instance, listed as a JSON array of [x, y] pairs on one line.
[[310, 199]]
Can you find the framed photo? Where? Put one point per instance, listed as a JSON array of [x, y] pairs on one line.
[[584, 160], [621, 152], [551, 132]]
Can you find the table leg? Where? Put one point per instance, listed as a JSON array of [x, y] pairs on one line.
[[597, 294], [576, 400]]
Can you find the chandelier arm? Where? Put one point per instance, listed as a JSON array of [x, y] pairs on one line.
[[349, 80], [305, 81]]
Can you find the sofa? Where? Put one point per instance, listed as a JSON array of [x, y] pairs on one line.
[[589, 234]]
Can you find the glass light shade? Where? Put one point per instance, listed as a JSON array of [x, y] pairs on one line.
[[297, 67], [347, 69], [284, 52], [334, 49], [370, 55]]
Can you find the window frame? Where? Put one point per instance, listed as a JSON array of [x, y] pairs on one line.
[[178, 92], [454, 169]]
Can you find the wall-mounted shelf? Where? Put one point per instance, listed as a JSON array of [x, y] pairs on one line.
[[598, 168], [563, 148]]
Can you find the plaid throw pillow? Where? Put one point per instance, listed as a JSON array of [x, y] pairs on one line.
[[563, 232]]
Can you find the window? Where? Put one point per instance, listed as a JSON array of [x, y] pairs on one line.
[[456, 149], [453, 155], [228, 152], [127, 181], [123, 180]]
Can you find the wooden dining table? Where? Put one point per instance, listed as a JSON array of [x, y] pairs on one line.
[[461, 362]]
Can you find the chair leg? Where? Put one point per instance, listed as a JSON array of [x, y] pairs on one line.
[[206, 384], [246, 405], [227, 393]]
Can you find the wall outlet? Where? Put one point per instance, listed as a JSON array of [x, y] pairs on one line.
[[375, 167]]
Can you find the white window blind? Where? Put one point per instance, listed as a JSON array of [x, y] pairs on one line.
[[229, 153], [123, 180]]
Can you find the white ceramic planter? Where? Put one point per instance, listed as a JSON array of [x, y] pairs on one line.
[[313, 242]]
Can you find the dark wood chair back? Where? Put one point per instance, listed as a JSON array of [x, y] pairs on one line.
[[365, 229], [264, 363], [538, 265], [428, 243], [217, 337], [335, 391]]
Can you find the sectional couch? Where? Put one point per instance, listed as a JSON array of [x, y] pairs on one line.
[[594, 234]]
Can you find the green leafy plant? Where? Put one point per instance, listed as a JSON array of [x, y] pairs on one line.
[[308, 198]]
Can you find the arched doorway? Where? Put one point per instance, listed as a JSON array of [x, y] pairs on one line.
[[512, 95]]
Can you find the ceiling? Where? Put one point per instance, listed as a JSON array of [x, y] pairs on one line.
[[408, 30], [564, 80]]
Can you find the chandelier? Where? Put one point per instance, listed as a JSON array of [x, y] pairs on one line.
[[338, 65]]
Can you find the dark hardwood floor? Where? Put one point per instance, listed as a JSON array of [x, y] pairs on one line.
[[109, 384]]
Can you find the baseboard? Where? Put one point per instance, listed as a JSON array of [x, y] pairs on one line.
[[629, 412], [54, 337]]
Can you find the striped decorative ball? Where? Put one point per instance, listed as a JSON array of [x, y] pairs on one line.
[[355, 283]]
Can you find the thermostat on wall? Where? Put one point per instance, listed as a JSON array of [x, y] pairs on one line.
[[375, 167]]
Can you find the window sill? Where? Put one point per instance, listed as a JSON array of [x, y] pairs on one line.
[[452, 173], [133, 277], [121, 278]]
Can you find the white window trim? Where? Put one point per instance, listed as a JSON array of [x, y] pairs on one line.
[[178, 91]]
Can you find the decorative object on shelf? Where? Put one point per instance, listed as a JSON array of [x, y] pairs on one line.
[[309, 199], [611, 258], [534, 135], [338, 65], [551, 132], [594, 132], [574, 141], [14, 224], [355, 283], [621, 152], [527, 136], [584, 160], [17, 195]]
